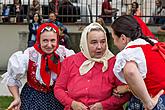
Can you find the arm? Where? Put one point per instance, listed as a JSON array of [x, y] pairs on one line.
[[60, 89], [137, 85], [110, 11], [116, 102], [161, 29], [16, 103], [37, 7], [17, 66], [14, 90], [31, 29]]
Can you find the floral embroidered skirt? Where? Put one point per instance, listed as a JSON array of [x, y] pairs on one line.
[[35, 100], [136, 104]]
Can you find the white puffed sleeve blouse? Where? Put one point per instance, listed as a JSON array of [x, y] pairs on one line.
[[131, 54], [18, 65]]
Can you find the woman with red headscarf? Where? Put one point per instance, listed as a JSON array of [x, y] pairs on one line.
[[42, 65]]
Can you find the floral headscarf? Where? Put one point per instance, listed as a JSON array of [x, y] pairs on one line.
[[89, 63], [49, 62]]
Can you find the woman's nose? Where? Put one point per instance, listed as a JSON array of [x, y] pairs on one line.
[[49, 44], [99, 45]]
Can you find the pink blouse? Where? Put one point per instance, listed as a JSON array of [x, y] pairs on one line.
[[95, 86]]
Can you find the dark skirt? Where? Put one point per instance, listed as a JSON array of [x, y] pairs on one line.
[[136, 104], [36, 100]]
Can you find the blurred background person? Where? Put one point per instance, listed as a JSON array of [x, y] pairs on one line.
[[64, 35], [18, 10], [161, 28], [107, 12], [158, 14], [33, 26], [108, 35], [135, 9], [136, 13], [54, 6], [34, 8], [5, 13], [67, 8]]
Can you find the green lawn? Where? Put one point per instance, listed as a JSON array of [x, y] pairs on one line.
[[4, 102]]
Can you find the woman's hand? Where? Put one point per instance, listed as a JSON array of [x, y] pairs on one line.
[[96, 106], [15, 105], [78, 106], [150, 105], [119, 90]]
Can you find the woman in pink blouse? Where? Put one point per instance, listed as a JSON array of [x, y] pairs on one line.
[[86, 81]]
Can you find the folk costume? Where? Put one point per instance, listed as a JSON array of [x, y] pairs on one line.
[[42, 70], [150, 61]]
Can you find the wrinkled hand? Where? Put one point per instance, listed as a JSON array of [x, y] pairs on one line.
[[154, 101], [15, 105], [119, 90], [78, 106], [96, 106]]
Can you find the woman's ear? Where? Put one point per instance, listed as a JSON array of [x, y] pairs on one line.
[[123, 38]]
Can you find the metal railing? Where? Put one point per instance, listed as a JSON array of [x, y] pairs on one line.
[[84, 11]]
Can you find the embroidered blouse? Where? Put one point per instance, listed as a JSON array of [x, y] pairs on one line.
[[19, 61]]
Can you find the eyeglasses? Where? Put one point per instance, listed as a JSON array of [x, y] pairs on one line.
[[48, 28]]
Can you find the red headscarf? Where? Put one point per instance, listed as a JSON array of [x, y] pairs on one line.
[[49, 62]]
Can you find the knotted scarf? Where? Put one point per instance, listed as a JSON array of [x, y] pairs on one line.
[[49, 62], [89, 63]]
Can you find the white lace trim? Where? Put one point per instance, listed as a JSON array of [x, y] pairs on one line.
[[18, 65]]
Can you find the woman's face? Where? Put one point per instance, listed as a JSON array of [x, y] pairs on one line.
[[48, 41], [134, 6], [36, 17], [119, 42], [158, 3], [52, 17], [96, 43]]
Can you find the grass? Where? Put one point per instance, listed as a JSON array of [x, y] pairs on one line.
[[125, 106], [4, 102]]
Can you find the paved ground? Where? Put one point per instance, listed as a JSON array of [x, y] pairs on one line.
[[4, 90]]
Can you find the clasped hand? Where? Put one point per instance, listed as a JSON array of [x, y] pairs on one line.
[[120, 90], [80, 106]]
